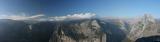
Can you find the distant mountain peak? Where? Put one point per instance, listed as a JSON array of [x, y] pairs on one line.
[[146, 26], [148, 18]]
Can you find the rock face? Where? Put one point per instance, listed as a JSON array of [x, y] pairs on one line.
[[79, 31], [147, 26]]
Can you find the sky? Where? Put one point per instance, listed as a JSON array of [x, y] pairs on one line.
[[102, 8]]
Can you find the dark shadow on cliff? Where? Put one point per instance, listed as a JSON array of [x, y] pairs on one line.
[[113, 31], [42, 32], [14, 31]]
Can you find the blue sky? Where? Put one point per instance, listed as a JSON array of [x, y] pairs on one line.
[[115, 8]]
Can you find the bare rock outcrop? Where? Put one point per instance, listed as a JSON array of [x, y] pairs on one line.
[[147, 26], [78, 31]]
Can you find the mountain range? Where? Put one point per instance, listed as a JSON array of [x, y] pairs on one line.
[[79, 30]]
